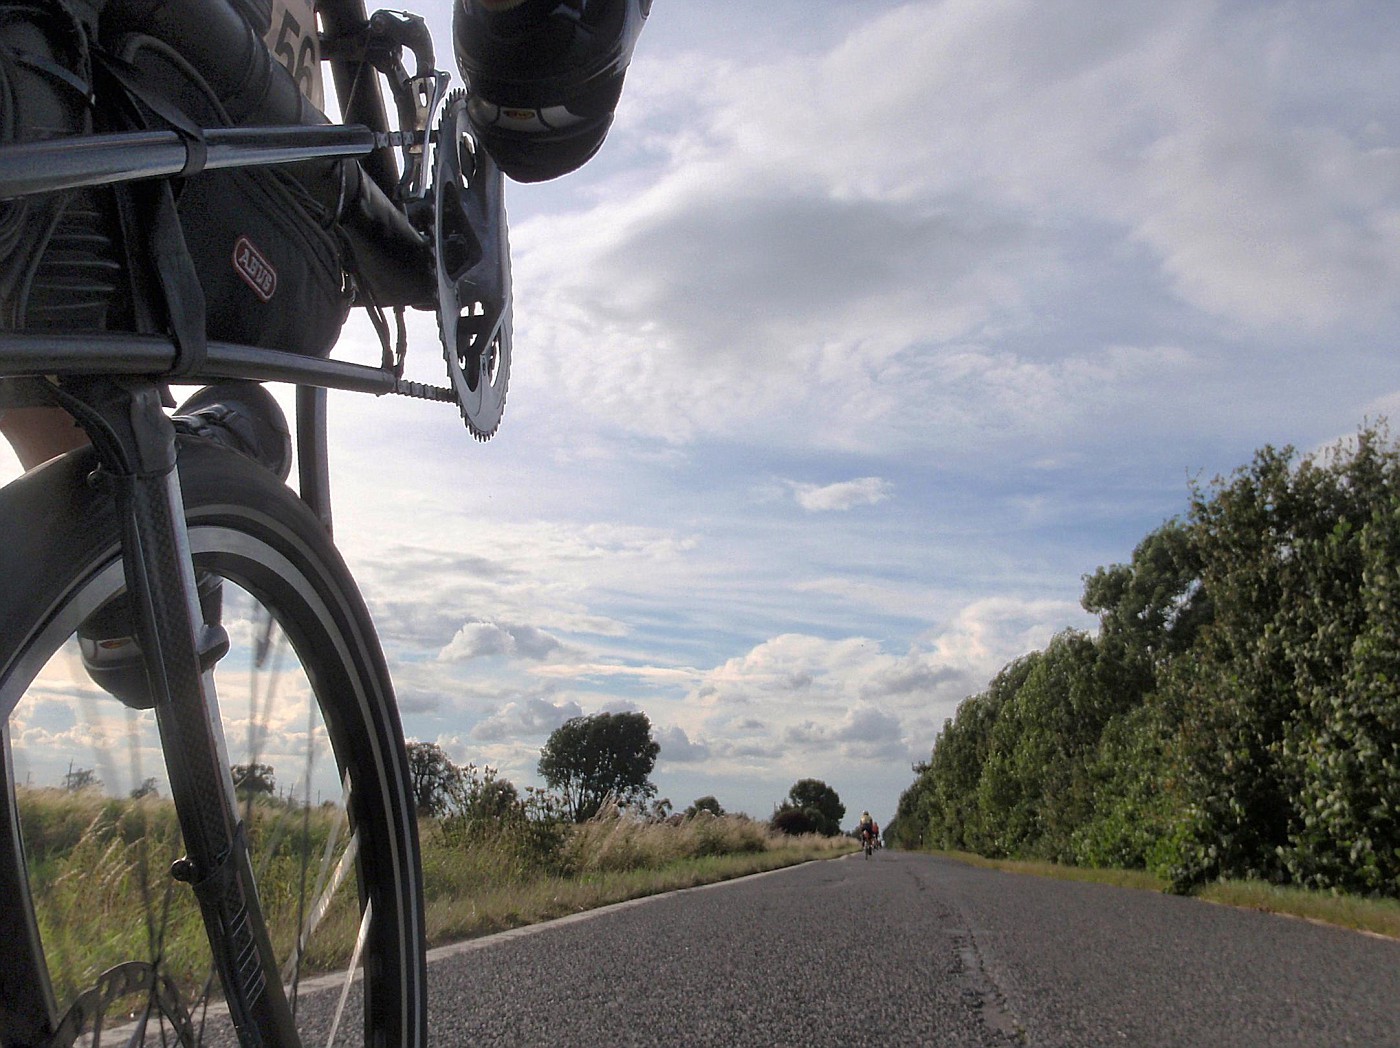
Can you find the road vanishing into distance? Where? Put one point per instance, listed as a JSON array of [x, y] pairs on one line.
[[906, 949]]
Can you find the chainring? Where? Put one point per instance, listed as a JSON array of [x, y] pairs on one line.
[[161, 998], [472, 252]]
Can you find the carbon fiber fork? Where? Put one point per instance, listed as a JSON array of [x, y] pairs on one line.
[[135, 442]]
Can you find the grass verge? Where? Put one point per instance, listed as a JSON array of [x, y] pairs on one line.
[[99, 866], [494, 907], [1373, 916]]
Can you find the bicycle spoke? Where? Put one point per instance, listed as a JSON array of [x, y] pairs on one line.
[[321, 906], [350, 972]]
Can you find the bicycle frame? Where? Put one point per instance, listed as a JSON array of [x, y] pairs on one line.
[[28, 357], [110, 159], [112, 383]]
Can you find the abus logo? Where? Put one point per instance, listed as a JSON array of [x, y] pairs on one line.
[[256, 271]]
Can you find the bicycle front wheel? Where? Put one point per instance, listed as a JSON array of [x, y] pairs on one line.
[[103, 942]]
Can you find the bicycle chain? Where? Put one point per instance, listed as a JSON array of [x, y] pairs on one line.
[[424, 391]]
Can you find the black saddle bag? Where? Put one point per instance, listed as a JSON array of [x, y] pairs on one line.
[[267, 256], [266, 253]]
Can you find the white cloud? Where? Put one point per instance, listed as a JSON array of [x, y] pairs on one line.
[[678, 748], [847, 494], [782, 281], [852, 698], [990, 632], [582, 670], [483, 639], [947, 662], [529, 718], [866, 733], [916, 674]]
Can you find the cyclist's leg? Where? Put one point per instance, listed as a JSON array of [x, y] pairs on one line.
[[239, 415], [39, 434], [248, 529]]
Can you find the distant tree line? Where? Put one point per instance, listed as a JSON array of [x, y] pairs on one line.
[[590, 764], [1237, 713]]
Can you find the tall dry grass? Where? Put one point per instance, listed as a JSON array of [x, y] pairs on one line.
[[99, 875], [98, 866], [485, 881]]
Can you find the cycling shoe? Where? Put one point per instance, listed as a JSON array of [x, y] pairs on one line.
[[112, 656], [544, 77], [243, 416]]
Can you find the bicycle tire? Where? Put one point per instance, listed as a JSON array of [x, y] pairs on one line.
[[61, 561]]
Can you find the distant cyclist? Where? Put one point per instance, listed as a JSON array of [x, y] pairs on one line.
[[866, 829]]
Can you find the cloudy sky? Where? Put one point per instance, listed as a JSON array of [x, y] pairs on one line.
[[875, 327]]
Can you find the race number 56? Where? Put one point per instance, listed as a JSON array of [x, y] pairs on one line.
[[292, 40]]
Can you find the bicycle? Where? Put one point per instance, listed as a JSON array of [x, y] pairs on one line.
[[867, 843], [244, 894]]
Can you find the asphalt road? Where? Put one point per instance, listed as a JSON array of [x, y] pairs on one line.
[[912, 950]]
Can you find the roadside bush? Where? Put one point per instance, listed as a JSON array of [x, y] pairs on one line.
[[793, 821], [1236, 716], [526, 834]]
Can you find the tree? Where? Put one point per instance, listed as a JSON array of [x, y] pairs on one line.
[[79, 779], [148, 788], [818, 801], [1287, 742], [706, 803], [498, 797], [1155, 606], [1035, 788], [252, 779], [1238, 713], [588, 759], [434, 776]]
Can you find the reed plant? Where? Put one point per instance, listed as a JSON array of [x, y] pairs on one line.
[[99, 875], [92, 860]]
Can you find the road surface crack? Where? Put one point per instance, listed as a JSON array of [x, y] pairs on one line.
[[982, 993]]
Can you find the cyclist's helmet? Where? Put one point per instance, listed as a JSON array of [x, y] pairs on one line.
[[544, 77]]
